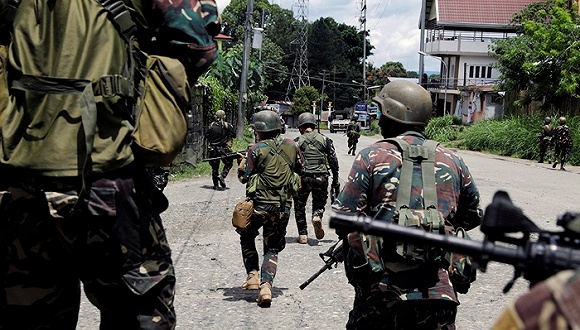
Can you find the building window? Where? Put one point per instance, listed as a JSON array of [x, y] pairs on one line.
[[476, 71]]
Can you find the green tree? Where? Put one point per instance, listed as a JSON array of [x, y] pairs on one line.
[[544, 60], [379, 76], [303, 98]]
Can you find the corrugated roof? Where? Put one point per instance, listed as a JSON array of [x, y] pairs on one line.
[[493, 12]]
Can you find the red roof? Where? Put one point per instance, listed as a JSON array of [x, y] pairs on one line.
[[223, 37], [497, 12]]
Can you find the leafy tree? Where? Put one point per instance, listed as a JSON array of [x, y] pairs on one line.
[[390, 69], [545, 59], [303, 98]]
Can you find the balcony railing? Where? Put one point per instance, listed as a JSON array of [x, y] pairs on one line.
[[456, 83]]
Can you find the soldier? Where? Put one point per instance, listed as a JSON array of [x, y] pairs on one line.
[[268, 172], [319, 157], [353, 133], [545, 140], [219, 138], [76, 203], [562, 144], [392, 292]]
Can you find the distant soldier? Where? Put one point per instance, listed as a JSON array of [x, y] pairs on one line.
[[545, 140], [353, 133], [562, 144], [219, 137], [319, 157]]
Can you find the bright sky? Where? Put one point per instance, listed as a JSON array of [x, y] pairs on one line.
[[393, 25]]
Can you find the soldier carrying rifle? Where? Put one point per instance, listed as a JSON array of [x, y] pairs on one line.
[[219, 137]]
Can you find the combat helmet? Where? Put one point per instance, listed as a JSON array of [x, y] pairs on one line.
[[266, 121], [562, 120], [405, 102], [306, 118], [547, 120], [220, 114]]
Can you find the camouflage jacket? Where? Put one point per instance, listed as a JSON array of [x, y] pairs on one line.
[[551, 304], [547, 132], [562, 136], [371, 188], [220, 134]]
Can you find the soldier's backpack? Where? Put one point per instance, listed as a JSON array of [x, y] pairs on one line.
[[155, 87]]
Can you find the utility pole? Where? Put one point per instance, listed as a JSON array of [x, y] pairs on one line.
[[243, 97], [422, 43], [324, 72], [363, 20]]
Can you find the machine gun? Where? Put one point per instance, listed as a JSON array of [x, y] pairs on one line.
[[536, 254], [331, 259], [230, 155]]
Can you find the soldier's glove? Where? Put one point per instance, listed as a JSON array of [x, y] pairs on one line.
[[241, 163]]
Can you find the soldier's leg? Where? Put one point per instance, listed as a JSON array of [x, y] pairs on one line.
[[215, 167], [300, 208], [542, 151], [39, 287], [319, 196], [248, 238], [228, 163], [126, 264], [424, 314], [274, 242]]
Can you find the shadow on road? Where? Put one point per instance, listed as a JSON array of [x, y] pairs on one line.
[[239, 294]]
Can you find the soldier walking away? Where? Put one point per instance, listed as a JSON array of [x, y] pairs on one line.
[[76, 202], [562, 144], [219, 136], [397, 286], [268, 172], [545, 140], [319, 157], [353, 133]]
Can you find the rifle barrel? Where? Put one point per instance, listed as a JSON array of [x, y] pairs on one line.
[[327, 265]]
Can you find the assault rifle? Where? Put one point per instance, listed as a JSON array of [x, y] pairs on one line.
[[230, 155], [331, 259], [334, 191], [536, 254]]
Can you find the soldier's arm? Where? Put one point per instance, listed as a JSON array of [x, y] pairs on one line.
[[469, 212], [299, 164], [332, 159]]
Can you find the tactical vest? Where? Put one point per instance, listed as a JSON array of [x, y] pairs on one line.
[[313, 148], [217, 134]]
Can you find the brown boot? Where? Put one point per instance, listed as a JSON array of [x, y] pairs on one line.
[[252, 281], [318, 231], [302, 239], [265, 296]]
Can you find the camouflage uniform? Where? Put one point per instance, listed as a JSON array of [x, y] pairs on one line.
[[562, 145], [546, 142], [420, 297], [315, 177], [269, 205], [549, 305], [69, 214], [220, 135], [353, 133]]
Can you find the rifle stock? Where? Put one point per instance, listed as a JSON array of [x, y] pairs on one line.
[[535, 260]]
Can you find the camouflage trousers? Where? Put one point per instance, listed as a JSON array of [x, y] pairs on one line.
[[273, 222], [352, 142], [562, 153], [318, 186], [545, 150], [215, 164], [112, 240], [380, 311]]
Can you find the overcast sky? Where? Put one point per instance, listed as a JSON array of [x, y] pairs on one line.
[[393, 25]]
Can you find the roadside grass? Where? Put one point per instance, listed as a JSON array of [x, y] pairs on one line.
[[513, 136]]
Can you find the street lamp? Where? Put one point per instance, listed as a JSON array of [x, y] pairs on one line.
[[446, 73]]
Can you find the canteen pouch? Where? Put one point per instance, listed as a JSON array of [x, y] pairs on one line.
[[243, 214]]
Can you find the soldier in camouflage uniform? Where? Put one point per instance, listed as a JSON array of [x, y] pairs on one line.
[[391, 293], [319, 157], [267, 171], [219, 136], [545, 140], [75, 204], [353, 133], [551, 305], [562, 144]]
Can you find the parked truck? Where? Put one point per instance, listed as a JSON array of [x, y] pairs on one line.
[[340, 120]]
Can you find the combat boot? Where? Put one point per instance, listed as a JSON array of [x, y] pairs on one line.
[[252, 281], [318, 231], [554, 165], [265, 296], [302, 239], [222, 181]]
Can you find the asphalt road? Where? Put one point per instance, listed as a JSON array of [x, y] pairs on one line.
[[210, 272]]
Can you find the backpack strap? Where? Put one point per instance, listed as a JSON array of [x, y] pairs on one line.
[[422, 154]]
